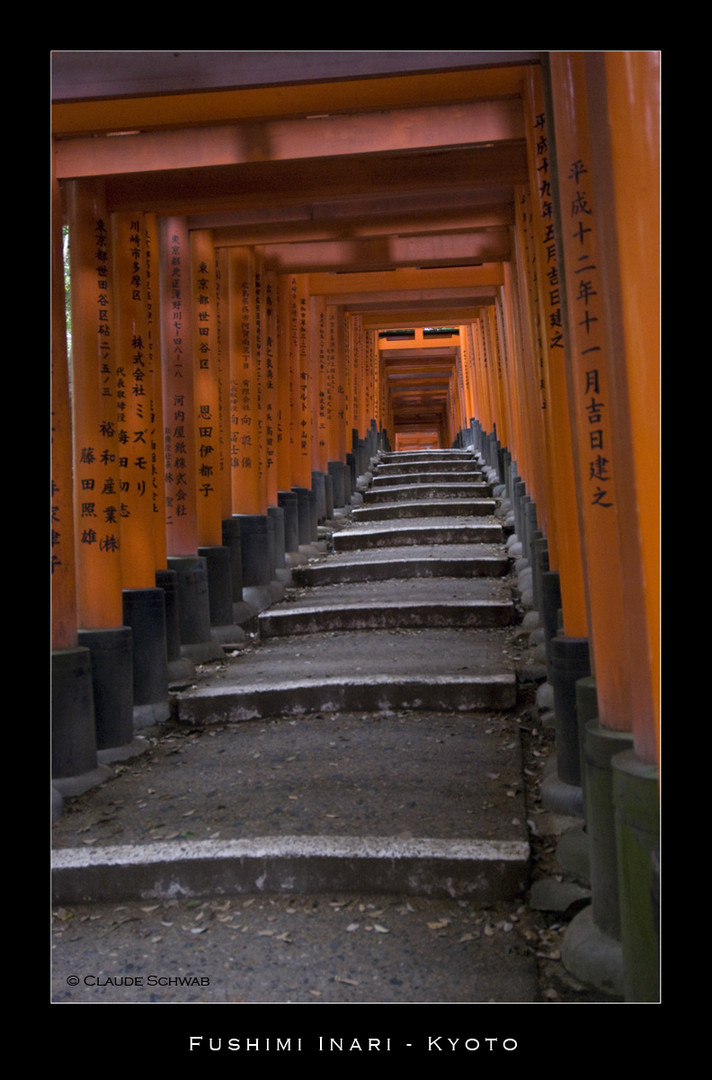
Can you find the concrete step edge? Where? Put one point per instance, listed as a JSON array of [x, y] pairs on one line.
[[432, 613], [296, 697], [424, 508], [484, 870], [495, 566], [411, 534]]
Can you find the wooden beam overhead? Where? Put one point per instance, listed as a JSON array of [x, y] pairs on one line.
[[387, 178], [406, 279], [88, 74], [322, 137], [415, 319], [98, 92], [285, 183], [448, 249], [422, 214]]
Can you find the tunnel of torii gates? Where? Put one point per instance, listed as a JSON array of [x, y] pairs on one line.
[[282, 264]]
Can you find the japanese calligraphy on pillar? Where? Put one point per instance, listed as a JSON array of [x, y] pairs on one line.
[[99, 506], [347, 375], [239, 295], [293, 342], [356, 369], [206, 374], [134, 401], [258, 436], [304, 404], [179, 440], [153, 356], [526, 249], [584, 298], [321, 361], [270, 380], [550, 292], [331, 381], [241, 440]]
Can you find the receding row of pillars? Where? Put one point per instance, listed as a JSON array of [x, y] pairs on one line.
[[115, 683], [614, 942]]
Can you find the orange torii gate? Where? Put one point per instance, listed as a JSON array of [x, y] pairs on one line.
[[213, 390]]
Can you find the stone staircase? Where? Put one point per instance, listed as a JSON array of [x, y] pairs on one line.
[[366, 741]]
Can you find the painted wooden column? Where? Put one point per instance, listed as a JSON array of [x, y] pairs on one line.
[[355, 359], [206, 388], [468, 371], [144, 602], [342, 377], [335, 388], [503, 346], [294, 467], [261, 397], [287, 383], [334, 479], [247, 528], [627, 173], [564, 532], [181, 480], [304, 380], [134, 402], [590, 395], [525, 406], [568, 652], [73, 721], [386, 426], [624, 109], [96, 449], [97, 502], [459, 382], [166, 578], [276, 385], [482, 381], [496, 374], [372, 407], [153, 329], [62, 557], [606, 730], [532, 375], [349, 364], [288, 412], [244, 441], [182, 461], [360, 377], [222, 340], [210, 439], [320, 445], [270, 379]]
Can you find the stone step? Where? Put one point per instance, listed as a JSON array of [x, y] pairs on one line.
[[429, 457], [393, 564], [396, 803], [431, 668], [424, 508], [317, 618], [481, 872], [392, 493], [417, 532], [412, 603], [425, 468], [360, 743]]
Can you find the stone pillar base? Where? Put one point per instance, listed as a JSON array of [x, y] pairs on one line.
[[591, 956]]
